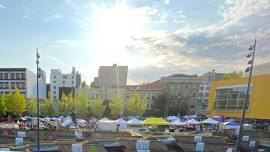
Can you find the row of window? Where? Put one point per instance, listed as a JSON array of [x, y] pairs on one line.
[[64, 82], [13, 85], [175, 86], [12, 76], [64, 76]]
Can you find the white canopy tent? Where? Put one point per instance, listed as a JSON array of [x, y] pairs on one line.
[[134, 121], [178, 123], [107, 125], [122, 124], [209, 121], [172, 118], [192, 122]]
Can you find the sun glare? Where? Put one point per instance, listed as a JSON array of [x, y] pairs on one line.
[[114, 27]]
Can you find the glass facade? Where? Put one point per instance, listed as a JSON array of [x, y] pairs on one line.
[[232, 98]]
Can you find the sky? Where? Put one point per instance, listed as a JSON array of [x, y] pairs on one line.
[[153, 38]]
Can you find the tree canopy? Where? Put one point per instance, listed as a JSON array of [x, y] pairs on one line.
[[136, 105], [97, 107], [82, 104], [16, 103], [32, 106], [233, 75], [116, 106], [67, 104], [3, 106]]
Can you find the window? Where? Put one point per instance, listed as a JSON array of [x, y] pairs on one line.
[[54, 87], [23, 85], [194, 94], [54, 82], [18, 85], [12, 76], [2, 85], [1, 76], [12, 85], [54, 92], [23, 76], [231, 99], [64, 82], [64, 76], [54, 97], [72, 76], [54, 77], [6, 76], [72, 82], [18, 76]]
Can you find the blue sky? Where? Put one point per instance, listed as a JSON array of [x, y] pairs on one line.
[[153, 37]]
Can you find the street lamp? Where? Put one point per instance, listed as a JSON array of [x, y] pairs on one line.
[[38, 76], [249, 69]]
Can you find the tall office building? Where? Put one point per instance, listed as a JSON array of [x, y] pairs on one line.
[[22, 79], [111, 76], [64, 83]]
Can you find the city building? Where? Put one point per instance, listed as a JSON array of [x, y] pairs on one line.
[[204, 89], [150, 90], [181, 88], [64, 83], [227, 97], [22, 79], [111, 76]]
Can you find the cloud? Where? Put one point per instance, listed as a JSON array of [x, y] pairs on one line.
[[167, 2], [2, 6], [236, 10]]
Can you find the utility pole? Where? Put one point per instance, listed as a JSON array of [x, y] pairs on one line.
[[249, 69], [38, 76]]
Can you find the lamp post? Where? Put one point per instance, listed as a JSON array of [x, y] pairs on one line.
[[249, 69], [38, 76]]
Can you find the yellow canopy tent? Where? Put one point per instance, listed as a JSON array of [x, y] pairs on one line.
[[156, 121]]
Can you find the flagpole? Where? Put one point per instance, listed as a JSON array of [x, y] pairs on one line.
[[246, 98]]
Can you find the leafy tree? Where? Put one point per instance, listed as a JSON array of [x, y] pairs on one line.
[[3, 106], [84, 85], [67, 104], [49, 109], [136, 105], [16, 103], [158, 106], [184, 108], [116, 106], [97, 107], [233, 75], [82, 104], [32, 106]]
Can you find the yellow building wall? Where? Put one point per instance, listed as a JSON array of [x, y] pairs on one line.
[[259, 107]]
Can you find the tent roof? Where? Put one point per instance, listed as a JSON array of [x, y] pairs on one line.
[[121, 121], [172, 118], [156, 121], [192, 122], [178, 123], [134, 121], [210, 121]]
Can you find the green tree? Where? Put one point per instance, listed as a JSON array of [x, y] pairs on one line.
[[116, 106], [97, 107], [49, 109], [158, 105], [82, 104], [184, 108], [136, 105], [3, 106], [67, 104], [16, 103], [233, 75], [32, 106]]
